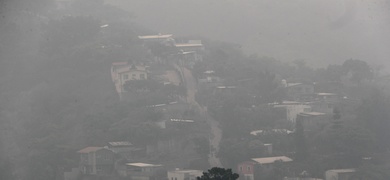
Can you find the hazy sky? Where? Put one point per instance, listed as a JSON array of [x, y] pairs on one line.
[[319, 31]]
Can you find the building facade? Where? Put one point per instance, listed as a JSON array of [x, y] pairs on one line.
[[96, 161], [184, 174]]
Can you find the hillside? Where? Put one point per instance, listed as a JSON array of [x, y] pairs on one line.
[[321, 32]]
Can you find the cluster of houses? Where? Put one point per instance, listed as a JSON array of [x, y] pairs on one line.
[[182, 53], [117, 159], [123, 160], [256, 167], [313, 109]]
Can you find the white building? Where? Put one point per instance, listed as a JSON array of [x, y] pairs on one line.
[[143, 171], [121, 72], [339, 174], [291, 109], [184, 174]]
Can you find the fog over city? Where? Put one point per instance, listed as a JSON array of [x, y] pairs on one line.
[[194, 89], [318, 31]]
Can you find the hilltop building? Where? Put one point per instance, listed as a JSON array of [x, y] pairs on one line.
[[121, 72]]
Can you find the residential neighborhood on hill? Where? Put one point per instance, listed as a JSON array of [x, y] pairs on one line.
[[88, 94]]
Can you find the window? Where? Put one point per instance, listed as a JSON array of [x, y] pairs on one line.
[[240, 168], [142, 76], [126, 76], [134, 76], [248, 168]]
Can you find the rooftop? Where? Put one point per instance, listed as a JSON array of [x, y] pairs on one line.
[[187, 52], [342, 170], [326, 94], [189, 171], [269, 160], [90, 149], [226, 87], [293, 84], [143, 165], [120, 143], [209, 72], [158, 36], [182, 120], [188, 45], [312, 113], [281, 131]]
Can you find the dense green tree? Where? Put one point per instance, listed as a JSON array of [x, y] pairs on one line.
[[63, 35], [202, 146], [371, 172], [217, 173], [374, 114], [300, 141], [358, 69]]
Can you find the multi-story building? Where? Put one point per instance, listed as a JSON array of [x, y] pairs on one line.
[[126, 150], [121, 72], [339, 174], [314, 121], [96, 161], [184, 174], [248, 170], [144, 171]]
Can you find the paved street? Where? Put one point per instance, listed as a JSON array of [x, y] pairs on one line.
[[216, 132]]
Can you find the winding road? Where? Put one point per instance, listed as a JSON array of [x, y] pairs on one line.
[[216, 132]]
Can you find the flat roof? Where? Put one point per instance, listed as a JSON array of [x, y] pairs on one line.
[[209, 72], [143, 165], [187, 171], [269, 160], [157, 36], [187, 52], [120, 143], [342, 170], [182, 120], [326, 94], [293, 84], [226, 87], [312, 113], [271, 130], [188, 45]]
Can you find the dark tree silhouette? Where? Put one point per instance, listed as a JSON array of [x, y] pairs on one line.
[[300, 142], [217, 173]]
